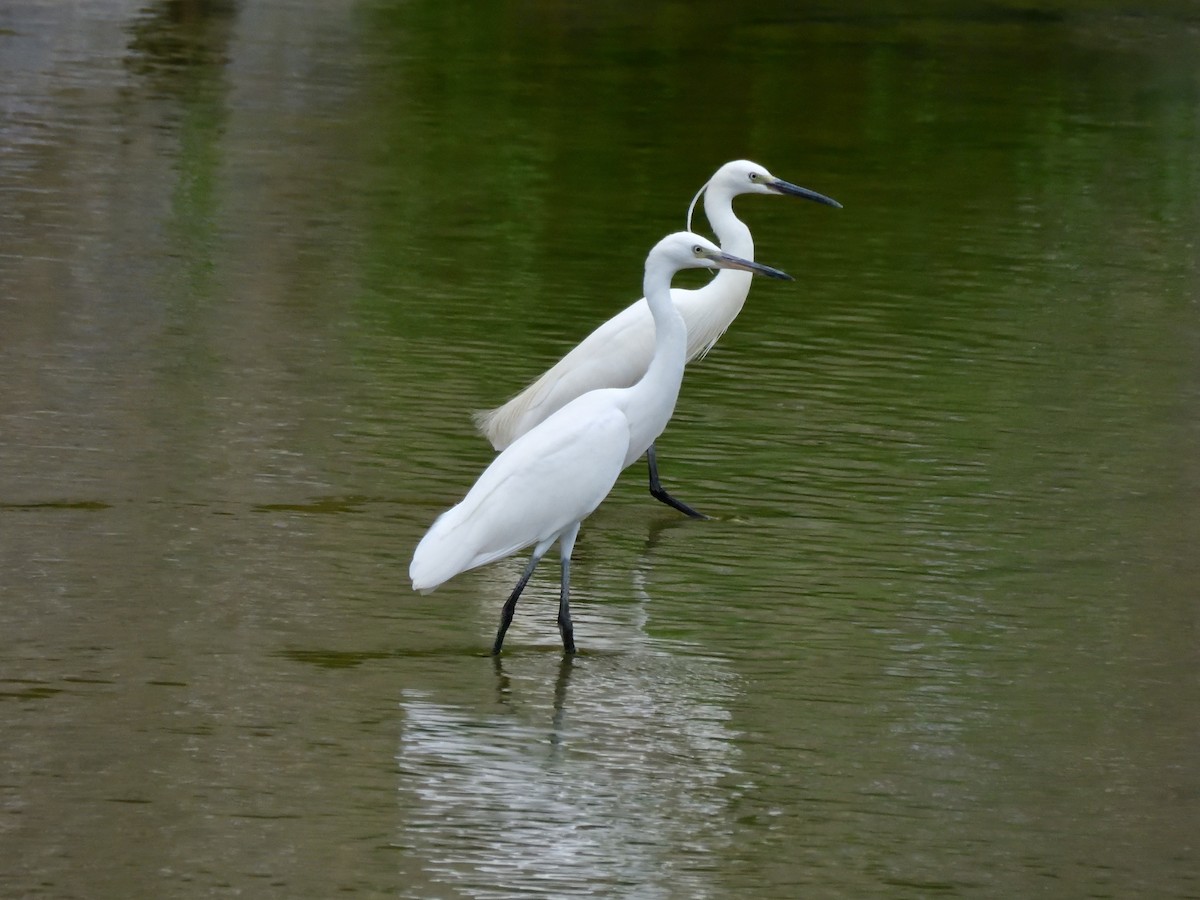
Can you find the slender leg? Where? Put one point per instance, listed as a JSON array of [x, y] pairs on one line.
[[510, 604], [565, 628], [660, 493]]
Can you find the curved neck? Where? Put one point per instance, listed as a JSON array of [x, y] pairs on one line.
[[670, 332], [649, 403], [731, 231]]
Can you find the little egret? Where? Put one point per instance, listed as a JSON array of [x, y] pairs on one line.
[[618, 353], [547, 481]]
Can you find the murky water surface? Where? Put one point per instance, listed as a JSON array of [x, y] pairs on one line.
[[258, 263]]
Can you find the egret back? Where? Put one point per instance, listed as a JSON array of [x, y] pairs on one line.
[[617, 355], [550, 478]]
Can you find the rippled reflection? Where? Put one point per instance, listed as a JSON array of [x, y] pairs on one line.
[[590, 774], [606, 771]]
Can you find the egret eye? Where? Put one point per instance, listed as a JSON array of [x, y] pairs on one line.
[[697, 250], [754, 176]]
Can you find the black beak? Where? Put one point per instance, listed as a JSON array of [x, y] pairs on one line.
[[794, 190], [729, 261]]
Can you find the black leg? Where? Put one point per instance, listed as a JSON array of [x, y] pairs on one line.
[[660, 493], [565, 628], [510, 604]]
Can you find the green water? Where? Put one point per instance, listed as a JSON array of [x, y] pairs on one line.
[[258, 264]]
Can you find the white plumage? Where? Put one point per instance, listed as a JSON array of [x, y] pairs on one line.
[[543, 484], [618, 353], [548, 480]]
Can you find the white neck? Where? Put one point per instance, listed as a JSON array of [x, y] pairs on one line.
[[731, 231], [650, 403]]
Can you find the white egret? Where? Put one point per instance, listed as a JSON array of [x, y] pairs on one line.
[[547, 481], [618, 353]]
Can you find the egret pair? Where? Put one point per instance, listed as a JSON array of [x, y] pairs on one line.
[[566, 438]]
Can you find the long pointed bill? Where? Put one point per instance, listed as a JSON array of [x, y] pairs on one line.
[[786, 187], [729, 261]]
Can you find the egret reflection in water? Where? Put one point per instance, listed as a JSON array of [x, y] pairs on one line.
[[595, 774]]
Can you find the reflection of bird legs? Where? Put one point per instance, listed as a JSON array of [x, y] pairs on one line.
[[658, 526], [640, 572], [565, 668], [503, 682]]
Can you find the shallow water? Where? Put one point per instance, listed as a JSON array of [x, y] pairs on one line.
[[258, 263]]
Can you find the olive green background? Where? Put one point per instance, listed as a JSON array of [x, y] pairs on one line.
[[260, 261]]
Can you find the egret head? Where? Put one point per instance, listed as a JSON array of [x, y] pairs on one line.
[[744, 177], [685, 250]]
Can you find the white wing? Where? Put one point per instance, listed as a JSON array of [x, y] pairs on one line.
[[547, 480], [617, 354]]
